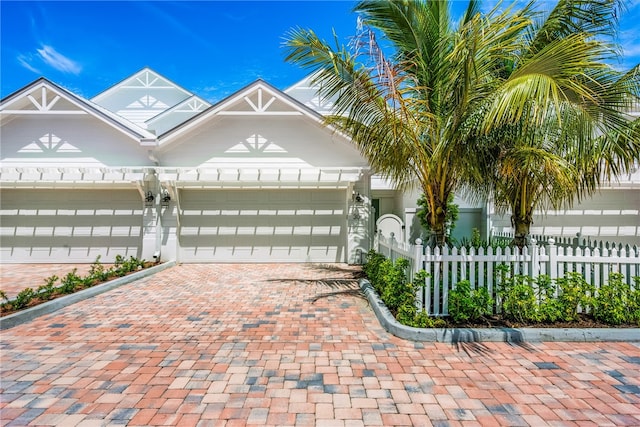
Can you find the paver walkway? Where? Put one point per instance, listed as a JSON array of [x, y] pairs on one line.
[[289, 345]]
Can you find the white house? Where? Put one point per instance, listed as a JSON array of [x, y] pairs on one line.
[[148, 169]]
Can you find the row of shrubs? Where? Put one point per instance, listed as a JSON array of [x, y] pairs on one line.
[[71, 282], [517, 298], [389, 279]]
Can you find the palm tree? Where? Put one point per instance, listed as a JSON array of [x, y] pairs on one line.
[[407, 112], [556, 125], [509, 104]]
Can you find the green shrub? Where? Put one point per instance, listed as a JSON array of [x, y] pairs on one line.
[[97, 272], [23, 298], [396, 290], [616, 303], [634, 302], [5, 304], [549, 307], [469, 305], [518, 300], [47, 290], [371, 269], [574, 292], [122, 266], [70, 282]]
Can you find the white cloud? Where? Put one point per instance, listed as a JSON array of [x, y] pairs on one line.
[[58, 61], [25, 62]]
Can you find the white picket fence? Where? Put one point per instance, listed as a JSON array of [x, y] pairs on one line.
[[578, 241], [446, 267]]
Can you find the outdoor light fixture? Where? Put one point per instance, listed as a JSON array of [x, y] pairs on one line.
[[148, 199], [166, 198], [357, 197]]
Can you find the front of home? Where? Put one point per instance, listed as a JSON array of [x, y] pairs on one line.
[[148, 169]]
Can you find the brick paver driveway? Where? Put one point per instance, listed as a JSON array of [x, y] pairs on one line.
[[289, 345]]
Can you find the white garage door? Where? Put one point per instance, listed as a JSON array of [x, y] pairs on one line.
[[65, 226], [262, 226], [610, 215]]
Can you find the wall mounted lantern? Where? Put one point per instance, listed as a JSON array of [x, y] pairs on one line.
[[165, 199], [148, 199], [357, 198]]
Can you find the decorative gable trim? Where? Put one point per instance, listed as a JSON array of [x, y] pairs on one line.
[[41, 99], [143, 79], [257, 99], [46, 98]]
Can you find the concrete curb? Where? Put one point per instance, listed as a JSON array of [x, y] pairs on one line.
[[29, 314], [511, 335]]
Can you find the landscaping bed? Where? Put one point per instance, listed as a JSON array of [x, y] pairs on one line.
[[516, 301], [55, 287]]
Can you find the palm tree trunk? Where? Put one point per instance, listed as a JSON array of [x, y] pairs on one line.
[[438, 225], [522, 227]]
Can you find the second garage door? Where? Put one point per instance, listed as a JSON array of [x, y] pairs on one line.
[[262, 226]]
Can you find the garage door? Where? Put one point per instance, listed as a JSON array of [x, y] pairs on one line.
[[58, 226], [610, 215], [262, 226]]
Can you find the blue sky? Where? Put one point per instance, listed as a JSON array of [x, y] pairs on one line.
[[211, 48]]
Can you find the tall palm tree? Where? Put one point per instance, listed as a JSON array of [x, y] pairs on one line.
[[511, 104], [407, 111], [556, 125]]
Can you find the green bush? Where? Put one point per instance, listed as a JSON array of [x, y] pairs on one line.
[[469, 305], [23, 298], [616, 302], [97, 272], [371, 269], [549, 307], [5, 300], [518, 300], [390, 281], [574, 292], [122, 266], [47, 290], [396, 290], [70, 282]]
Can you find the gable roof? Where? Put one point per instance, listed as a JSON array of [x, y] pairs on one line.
[[43, 97], [306, 92], [256, 99], [145, 78], [177, 114], [142, 96]]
